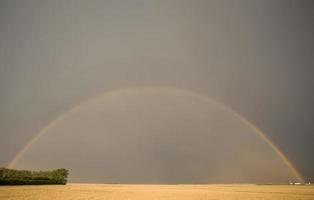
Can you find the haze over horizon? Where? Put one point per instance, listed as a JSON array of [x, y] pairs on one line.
[[255, 57]]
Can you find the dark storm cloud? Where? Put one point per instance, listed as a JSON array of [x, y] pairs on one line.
[[255, 56]]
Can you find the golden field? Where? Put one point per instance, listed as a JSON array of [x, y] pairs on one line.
[[154, 192]]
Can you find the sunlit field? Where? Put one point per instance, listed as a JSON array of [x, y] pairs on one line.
[[117, 192]]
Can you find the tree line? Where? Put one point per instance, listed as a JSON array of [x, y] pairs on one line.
[[27, 177]]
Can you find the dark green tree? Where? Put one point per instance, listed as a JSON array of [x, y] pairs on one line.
[[26, 177]]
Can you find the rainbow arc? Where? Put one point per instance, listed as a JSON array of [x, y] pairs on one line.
[[116, 92]]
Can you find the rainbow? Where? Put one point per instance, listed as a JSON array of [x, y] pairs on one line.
[[116, 92]]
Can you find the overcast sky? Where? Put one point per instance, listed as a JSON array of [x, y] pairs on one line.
[[256, 57]]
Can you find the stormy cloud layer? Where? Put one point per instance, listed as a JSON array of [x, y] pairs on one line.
[[254, 56]]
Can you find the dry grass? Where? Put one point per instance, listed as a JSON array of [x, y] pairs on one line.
[[153, 192]]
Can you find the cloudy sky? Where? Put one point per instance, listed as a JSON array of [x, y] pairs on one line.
[[255, 57]]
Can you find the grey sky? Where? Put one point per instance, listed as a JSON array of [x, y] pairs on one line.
[[254, 56]]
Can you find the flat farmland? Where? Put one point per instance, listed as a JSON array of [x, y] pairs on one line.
[[154, 192]]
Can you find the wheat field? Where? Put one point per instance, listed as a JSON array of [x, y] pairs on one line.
[[154, 192]]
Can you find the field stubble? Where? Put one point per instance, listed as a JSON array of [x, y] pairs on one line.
[[154, 192]]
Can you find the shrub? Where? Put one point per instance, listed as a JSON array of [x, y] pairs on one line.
[[26, 177]]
